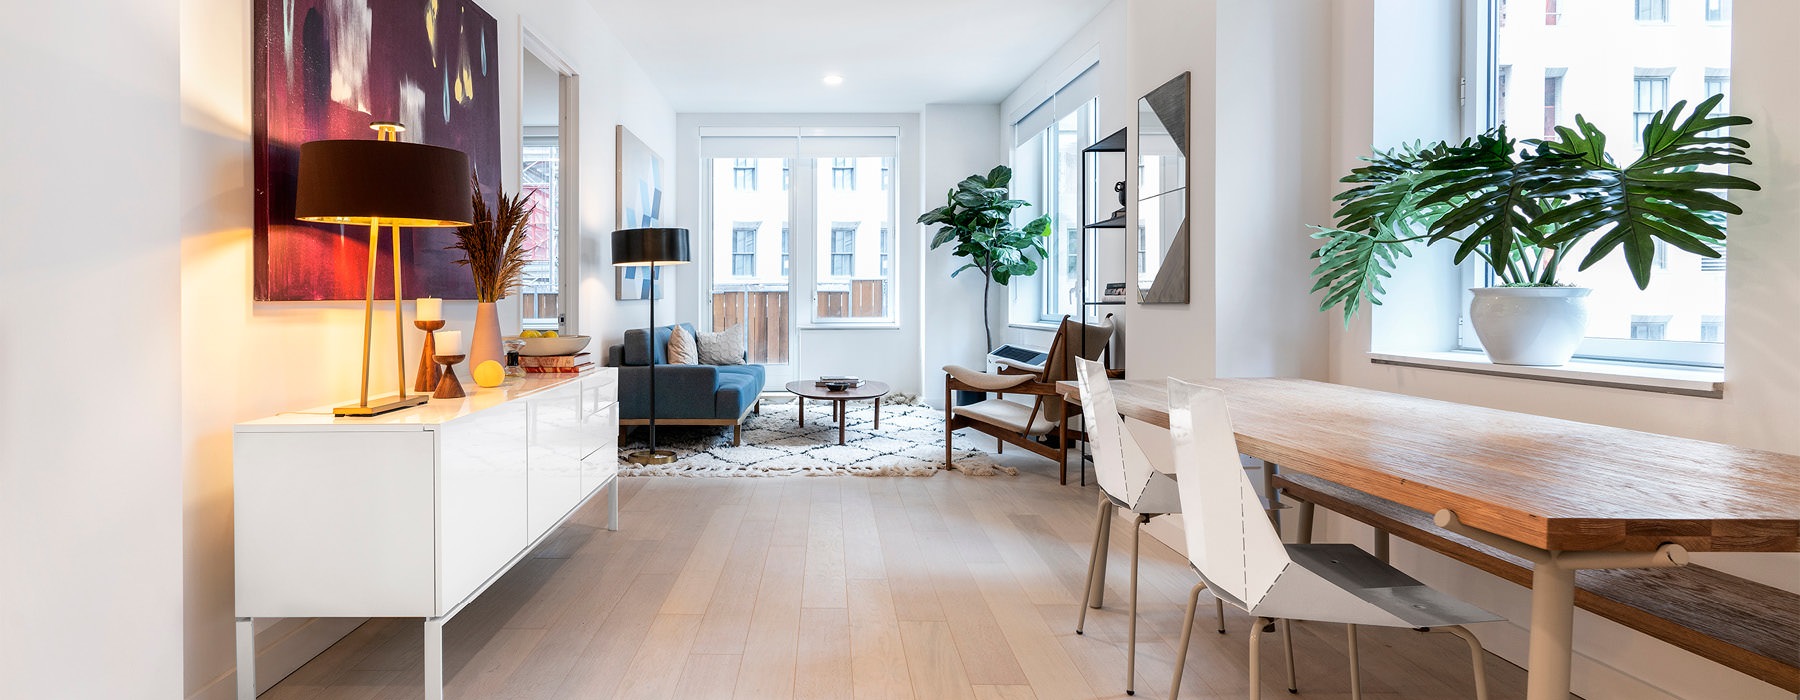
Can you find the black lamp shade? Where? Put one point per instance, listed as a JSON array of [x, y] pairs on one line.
[[650, 246], [389, 182]]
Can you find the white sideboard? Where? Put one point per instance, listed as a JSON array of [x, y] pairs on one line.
[[413, 513]]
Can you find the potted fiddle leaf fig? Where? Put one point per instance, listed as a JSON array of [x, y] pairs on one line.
[[1524, 210], [978, 219]]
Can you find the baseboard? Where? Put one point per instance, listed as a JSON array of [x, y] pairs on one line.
[[281, 650]]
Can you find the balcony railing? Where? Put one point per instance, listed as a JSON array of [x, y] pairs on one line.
[[764, 316], [862, 299]]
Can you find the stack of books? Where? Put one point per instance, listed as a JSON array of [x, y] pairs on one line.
[[556, 364], [843, 379]]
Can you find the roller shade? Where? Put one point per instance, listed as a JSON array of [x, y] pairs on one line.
[[1072, 95]]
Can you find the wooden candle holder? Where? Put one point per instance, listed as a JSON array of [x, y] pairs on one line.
[[429, 374], [449, 387]]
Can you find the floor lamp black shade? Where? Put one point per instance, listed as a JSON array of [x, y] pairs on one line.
[[384, 182], [653, 247]]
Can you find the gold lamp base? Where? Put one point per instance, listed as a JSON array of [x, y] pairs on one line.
[[376, 408], [650, 457]]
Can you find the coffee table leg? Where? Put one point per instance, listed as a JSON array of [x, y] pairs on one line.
[[877, 413], [801, 402], [843, 412]]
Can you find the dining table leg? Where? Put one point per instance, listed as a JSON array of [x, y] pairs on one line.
[[1553, 598], [1552, 632]]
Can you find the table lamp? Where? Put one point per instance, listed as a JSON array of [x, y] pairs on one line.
[[383, 182], [653, 247]]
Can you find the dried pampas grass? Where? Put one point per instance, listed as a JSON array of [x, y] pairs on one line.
[[494, 246]]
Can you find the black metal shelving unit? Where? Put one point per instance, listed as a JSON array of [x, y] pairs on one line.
[[1113, 143]]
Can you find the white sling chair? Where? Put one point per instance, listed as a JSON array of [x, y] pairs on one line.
[[1241, 558], [1123, 469]]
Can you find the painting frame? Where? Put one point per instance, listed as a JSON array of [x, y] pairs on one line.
[[327, 69], [640, 180]]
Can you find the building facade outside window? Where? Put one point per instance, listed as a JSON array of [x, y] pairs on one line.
[[1652, 95], [743, 174], [843, 173], [1718, 10], [1553, 87], [743, 249], [1652, 10], [843, 248], [1551, 16], [887, 247]]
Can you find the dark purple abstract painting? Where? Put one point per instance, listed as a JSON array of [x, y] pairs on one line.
[[325, 69]]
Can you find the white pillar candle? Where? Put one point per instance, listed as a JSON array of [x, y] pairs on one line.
[[429, 309], [449, 343]]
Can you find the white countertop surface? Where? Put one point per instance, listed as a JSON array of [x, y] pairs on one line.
[[425, 417]]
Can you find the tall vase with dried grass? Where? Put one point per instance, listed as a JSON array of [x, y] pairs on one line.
[[494, 251]]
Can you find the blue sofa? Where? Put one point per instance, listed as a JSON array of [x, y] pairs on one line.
[[685, 394]]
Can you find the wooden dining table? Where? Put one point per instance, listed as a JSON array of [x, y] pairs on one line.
[[1561, 494]]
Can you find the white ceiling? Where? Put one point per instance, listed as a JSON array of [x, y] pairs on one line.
[[895, 55]]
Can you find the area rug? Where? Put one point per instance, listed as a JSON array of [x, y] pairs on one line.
[[909, 443]]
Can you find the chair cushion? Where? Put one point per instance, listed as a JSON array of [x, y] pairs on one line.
[[1007, 414]]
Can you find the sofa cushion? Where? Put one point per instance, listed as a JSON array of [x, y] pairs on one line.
[[725, 347], [638, 345], [681, 349]]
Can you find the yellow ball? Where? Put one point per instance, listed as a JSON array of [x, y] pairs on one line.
[[549, 334], [530, 334], [490, 374]]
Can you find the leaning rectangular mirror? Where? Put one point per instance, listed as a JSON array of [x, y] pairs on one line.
[[1162, 236]]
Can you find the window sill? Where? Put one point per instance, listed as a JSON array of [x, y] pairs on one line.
[[1046, 326], [1703, 382], [871, 326]]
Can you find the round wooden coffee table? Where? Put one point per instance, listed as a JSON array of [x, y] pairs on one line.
[[809, 389]]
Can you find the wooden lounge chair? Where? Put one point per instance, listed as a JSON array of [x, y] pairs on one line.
[[1024, 423]]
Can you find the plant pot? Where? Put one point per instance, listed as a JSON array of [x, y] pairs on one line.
[[1533, 326], [484, 344]]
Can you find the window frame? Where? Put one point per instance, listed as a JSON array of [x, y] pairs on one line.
[[1481, 61]]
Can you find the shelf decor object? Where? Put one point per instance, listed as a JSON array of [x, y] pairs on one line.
[[449, 386], [382, 182], [495, 253], [654, 248], [428, 316]]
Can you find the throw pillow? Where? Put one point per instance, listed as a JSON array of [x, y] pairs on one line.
[[725, 347], [682, 350]]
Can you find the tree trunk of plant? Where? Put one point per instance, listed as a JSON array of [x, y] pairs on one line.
[[987, 283]]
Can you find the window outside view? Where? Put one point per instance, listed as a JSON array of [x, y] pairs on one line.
[[1616, 63], [1050, 162], [540, 294]]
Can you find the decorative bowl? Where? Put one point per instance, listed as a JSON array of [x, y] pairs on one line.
[[837, 386], [545, 347]]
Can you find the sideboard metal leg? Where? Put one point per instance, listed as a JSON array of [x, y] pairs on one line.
[[246, 658], [434, 658], [612, 505]]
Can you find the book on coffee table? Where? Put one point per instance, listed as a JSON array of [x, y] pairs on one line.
[[851, 380]]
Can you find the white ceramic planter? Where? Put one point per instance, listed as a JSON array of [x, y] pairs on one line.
[[1536, 326]]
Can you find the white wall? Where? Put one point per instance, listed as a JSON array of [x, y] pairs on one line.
[[959, 140], [241, 360], [90, 485]]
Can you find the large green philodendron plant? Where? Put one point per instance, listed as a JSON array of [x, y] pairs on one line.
[[1523, 210], [978, 218]]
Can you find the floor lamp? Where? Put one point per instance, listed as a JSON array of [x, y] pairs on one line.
[[652, 247], [384, 182]]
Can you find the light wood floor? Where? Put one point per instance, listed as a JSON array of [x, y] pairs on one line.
[[853, 587]]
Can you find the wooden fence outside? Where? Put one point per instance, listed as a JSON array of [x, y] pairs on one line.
[[764, 316], [865, 299]]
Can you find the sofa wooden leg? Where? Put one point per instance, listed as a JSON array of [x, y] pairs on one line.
[[756, 407], [737, 434]]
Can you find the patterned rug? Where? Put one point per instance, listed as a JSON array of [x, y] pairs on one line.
[[910, 443]]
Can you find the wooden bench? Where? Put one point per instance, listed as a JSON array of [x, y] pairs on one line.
[[1742, 624]]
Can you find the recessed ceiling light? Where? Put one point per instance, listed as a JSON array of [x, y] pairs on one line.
[[834, 79]]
